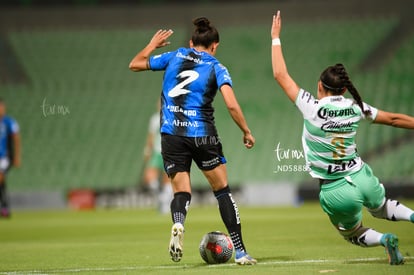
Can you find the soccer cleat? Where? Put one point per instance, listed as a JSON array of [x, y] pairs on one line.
[[176, 242], [242, 258], [390, 242]]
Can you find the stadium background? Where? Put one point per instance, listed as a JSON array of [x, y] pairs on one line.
[[84, 116]]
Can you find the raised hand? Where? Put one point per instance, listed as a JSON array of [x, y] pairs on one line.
[[160, 38], [276, 25]]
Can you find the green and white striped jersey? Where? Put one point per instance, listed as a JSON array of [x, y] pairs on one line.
[[329, 130]]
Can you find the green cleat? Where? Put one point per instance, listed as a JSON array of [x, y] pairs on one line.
[[390, 242]]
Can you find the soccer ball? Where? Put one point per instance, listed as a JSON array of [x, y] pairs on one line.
[[216, 248]]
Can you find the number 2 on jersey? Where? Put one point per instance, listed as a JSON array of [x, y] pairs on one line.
[[186, 78], [339, 144]]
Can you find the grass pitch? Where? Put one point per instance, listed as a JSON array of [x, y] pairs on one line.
[[285, 240]]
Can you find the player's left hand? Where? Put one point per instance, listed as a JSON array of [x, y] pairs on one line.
[[160, 38], [249, 140], [276, 25]]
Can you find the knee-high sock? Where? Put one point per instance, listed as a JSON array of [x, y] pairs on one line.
[[370, 238], [230, 216], [393, 210], [179, 207], [362, 236]]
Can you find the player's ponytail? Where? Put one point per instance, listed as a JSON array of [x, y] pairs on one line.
[[335, 79], [204, 33], [346, 82]]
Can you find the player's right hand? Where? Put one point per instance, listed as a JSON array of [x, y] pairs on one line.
[[160, 38]]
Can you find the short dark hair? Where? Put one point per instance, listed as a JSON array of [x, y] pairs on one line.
[[204, 33]]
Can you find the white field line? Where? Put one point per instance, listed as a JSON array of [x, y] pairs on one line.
[[180, 266]]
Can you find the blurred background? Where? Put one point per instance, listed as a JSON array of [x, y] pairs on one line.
[[84, 116]]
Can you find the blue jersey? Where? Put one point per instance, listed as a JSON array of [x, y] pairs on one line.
[[191, 80], [8, 126]]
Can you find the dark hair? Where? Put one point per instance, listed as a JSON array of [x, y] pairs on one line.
[[204, 33], [335, 79]]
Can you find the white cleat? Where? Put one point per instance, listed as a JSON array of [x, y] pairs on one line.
[[242, 258], [176, 242]]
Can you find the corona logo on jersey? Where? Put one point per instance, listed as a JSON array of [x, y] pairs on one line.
[[326, 113]]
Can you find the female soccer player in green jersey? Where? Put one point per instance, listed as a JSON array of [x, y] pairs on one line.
[[330, 124]]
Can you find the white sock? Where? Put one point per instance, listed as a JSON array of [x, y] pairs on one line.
[[396, 211], [370, 238]]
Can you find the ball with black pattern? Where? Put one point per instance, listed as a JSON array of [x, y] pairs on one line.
[[216, 248]]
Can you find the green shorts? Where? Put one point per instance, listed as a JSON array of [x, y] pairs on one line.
[[156, 161], [342, 200]]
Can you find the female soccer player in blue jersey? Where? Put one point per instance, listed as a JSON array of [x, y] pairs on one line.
[[191, 80], [9, 154], [346, 182]]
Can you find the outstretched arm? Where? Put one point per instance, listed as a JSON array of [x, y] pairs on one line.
[[395, 120], [140, 61], [280, 71], [237, 114]]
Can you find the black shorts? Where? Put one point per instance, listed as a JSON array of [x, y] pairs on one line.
[[178, 153]]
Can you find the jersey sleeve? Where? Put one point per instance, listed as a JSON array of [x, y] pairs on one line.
[[222, 75], [372, 115], [160, 62], [306, 103]]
